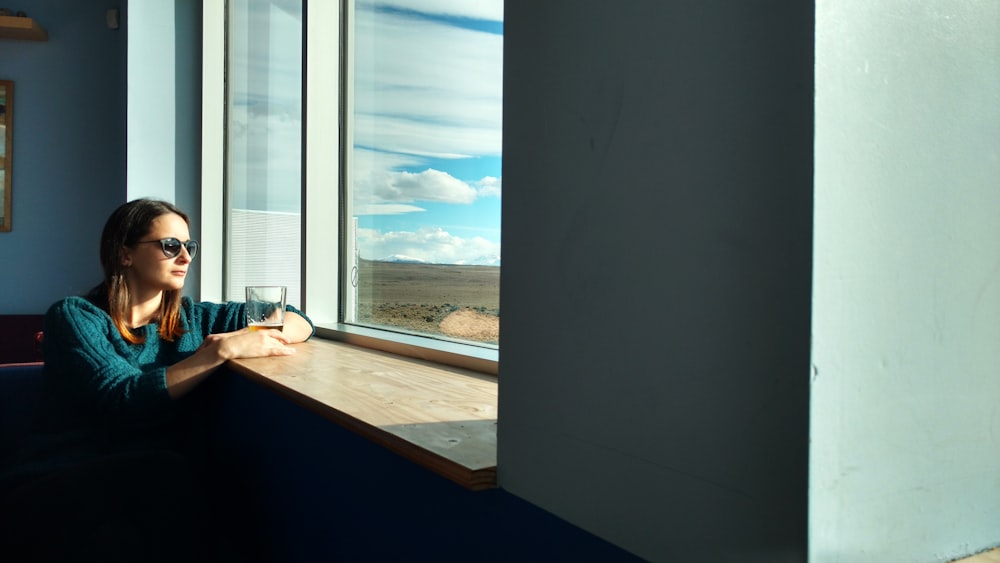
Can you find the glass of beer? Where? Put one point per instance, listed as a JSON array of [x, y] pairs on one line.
[[266, 306]]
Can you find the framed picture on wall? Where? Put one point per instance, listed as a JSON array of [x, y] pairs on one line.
[[6, 150]]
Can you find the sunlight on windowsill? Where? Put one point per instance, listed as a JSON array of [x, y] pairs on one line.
[[443, 418], [990, 556]]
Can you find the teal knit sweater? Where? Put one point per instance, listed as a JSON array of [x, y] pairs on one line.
[[101, 392], [93, 375]]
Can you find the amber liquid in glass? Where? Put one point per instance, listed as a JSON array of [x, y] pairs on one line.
[[265, 326]]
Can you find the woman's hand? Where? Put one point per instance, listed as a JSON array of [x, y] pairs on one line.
[[246, 343], [217, 348]]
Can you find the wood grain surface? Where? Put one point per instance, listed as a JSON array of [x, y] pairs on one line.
[[442, 418]]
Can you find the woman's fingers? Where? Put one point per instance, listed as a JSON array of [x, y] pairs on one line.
[[269, 342], [252, 344], [278, 335]]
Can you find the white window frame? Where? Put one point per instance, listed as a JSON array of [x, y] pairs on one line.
[[324, 105], [213, 123]]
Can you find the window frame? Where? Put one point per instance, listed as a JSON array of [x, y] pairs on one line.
[[326, 129]]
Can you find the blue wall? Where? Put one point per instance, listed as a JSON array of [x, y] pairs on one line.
[[69, 151]]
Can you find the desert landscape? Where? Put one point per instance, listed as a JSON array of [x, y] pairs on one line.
[[460, 302]]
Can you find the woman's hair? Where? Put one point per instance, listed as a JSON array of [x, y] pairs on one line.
[[126, 226]]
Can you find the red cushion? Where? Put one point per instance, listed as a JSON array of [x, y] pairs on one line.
[[19, 338]]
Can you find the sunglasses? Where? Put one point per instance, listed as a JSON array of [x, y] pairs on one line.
[[172, 247]]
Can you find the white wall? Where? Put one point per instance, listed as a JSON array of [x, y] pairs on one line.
[[163, 159], [152, 109], [657, 214], [905, 461]]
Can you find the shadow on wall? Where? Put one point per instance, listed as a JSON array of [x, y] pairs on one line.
[[317, 492]]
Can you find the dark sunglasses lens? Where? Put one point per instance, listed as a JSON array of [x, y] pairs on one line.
[[192, 247], [171, 247]]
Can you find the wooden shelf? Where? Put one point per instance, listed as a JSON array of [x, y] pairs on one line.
[[442, 418], [24, 29]]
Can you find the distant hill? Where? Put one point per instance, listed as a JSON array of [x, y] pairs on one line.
[[401, 259], [489, 260]]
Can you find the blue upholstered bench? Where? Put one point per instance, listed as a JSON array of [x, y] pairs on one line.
[[20, 377], [20, 389]]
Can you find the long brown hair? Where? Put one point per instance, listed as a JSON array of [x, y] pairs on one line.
[[126, 226]]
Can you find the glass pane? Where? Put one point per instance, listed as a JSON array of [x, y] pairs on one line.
[[263, 153], [423, 198]]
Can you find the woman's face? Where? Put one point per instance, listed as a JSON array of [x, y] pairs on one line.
[[147, 268]]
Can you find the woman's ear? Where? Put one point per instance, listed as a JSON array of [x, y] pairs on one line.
[[126, 258]]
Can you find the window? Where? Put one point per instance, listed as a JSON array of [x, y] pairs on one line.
[[422, 167], [263, 146], [397, 157]]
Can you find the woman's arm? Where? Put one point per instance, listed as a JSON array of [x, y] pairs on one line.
[[216, 349], [297, 329], [232, 341]]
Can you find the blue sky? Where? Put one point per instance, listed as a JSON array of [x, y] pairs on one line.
[[426, 165], [428, 115]]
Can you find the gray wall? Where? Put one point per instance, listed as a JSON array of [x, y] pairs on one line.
[[906, 329], [657, 260], [74, 159], [69, 142]]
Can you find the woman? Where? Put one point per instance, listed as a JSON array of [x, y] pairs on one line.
[[118, 364]]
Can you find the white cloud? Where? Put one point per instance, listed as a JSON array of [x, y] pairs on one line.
[[378, 188], [408, 135], [488, 187], [430, 244], [419, 94], [386, 209], [429, 185], [365, 162]]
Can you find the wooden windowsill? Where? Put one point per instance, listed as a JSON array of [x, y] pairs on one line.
[[442, 418], [990, 556]]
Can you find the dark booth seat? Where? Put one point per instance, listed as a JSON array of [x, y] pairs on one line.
[[20, 338], [20, 390]]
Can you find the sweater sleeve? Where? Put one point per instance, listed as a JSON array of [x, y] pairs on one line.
[[89, 363], [213, 318]]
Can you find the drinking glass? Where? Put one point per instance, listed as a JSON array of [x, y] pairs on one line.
[[266, 306]]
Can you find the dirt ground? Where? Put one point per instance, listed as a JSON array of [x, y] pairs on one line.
[[456, 301]]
